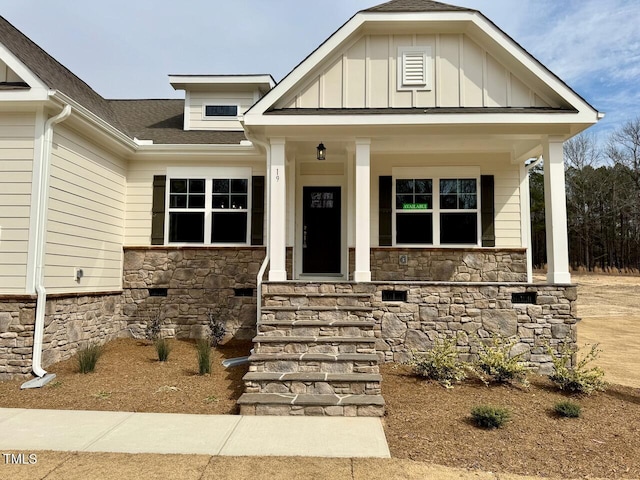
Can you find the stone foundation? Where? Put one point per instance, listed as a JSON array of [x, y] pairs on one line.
[[197, 280], [71, 322], [446, 264], [468, 312]]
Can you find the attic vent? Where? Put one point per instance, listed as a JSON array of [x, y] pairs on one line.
[[414, 72]]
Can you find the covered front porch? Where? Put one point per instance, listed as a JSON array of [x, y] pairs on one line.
[[433, 205]]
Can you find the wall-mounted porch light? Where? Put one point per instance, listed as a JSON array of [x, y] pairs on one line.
[[322, 151]]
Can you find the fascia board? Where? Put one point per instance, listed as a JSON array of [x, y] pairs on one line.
[[31, 95], [533, 65], [91, 119], [410, 119], [180, 82], [308, 64], [21, 70], [208, 150]]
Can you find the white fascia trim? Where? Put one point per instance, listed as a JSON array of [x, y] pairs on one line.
[[91, 118], [298, 73], [179, 82], [151, 152], [534, 66], [22, 71], [422, 119]]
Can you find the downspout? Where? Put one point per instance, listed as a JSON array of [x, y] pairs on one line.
[[41, 237], [234, 362], [267, 257]]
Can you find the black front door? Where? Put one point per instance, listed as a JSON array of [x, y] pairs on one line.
[[321, 235]]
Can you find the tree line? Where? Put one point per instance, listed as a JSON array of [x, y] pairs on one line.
[[603, 201]]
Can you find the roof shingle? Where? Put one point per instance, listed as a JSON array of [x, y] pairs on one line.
[[163, 122], [416, 6]]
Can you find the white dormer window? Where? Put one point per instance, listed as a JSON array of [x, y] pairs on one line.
[[414, 68], [220, 111]]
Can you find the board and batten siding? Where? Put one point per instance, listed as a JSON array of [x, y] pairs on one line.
[[196, 101], [17, 132], [506, 188], [85, 224], [464, 74], [140, 191]]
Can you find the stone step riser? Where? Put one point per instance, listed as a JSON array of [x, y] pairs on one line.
[[285, 289], [316, 315], [310, 302], [320, 331], [328, 411], [309, 366], [327, 348], [298, 387]]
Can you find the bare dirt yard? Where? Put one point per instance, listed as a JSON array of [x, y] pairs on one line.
[[426, 424]]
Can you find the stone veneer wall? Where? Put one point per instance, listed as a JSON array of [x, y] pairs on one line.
[[71, 322], [197, 280], [446, 264], [468, 312], [472, 312]]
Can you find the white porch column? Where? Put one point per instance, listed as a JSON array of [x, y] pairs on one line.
[[362, 272], [555, 208], [278, 208]]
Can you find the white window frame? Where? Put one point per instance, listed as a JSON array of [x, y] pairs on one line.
[[208, 174], [423, 52], [435, 174], [220, 117]]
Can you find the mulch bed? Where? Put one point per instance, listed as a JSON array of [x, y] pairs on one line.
[[425, 422], [428, 423]]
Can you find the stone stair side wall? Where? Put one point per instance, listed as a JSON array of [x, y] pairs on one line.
[[196, 280], [71, 322]]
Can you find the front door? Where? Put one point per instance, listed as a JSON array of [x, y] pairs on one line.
[[321, 235]]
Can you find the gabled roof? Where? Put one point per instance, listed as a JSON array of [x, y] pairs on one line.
[[163, 120], [416, 6], [53, 74]]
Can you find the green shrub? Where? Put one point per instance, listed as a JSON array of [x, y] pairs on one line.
[[485, 416], [496, 363], [567, 409], [440, 363], [163, 348], [203, 352], [578, 378], [87, 358]]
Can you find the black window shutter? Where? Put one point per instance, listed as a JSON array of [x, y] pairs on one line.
[[158, 209], [257, 211], [385, 223], [488, 211]]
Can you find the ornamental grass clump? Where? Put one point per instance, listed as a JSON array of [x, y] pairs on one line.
[[567, 409], [439, 364], [577, 378], [485, 416], [497, 364], [203, 354], [87, 358], [163, 348]]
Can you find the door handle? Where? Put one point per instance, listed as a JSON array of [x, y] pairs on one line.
[[304, 237]]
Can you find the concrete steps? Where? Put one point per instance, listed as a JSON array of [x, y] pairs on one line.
[[314, 353]]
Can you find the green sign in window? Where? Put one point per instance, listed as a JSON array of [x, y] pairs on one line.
[[415, 206]]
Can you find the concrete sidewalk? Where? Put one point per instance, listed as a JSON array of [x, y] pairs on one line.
[[225, 435]]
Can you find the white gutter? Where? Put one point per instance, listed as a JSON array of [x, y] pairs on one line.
[[267, 257], [40, 235]]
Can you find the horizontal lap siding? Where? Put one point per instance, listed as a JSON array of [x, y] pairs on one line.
[[85, 224], [507, 188], [197, 101], [140, 192], [17, 133]]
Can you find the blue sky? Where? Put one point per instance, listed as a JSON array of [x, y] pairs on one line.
[[126, 48]]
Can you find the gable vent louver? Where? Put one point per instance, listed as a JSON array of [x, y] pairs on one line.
[[414, 68]]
